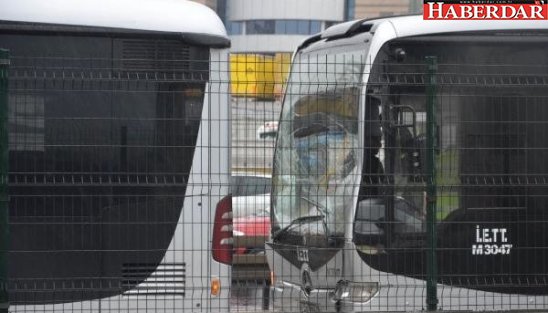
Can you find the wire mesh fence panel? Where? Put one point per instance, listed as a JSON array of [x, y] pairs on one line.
[[4, 223], [412, 182], [256, 84], [141, 179]]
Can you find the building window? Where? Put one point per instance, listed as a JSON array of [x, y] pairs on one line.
[[257, 27], [349, 10], [315, 27], [283, 27], [235, 28], [303, 27]]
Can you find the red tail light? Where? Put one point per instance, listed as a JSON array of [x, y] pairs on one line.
[[223, 241]]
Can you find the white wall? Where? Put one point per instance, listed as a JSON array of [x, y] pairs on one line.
[[326, 10], [265, 43], [242, 10]]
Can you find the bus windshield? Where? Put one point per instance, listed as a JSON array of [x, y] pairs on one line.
[[315, 166]]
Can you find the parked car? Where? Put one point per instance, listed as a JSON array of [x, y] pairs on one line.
[[267, 130], [250, 208], [256, 225]]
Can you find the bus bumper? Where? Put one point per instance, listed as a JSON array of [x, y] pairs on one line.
[[287, 297]]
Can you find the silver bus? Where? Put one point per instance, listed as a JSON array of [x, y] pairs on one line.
[[350, 186], [118, 156]]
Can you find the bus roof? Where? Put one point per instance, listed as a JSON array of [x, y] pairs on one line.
[[175, 16], [415, 25]]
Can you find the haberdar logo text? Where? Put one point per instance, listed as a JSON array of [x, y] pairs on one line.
[[486, 10]]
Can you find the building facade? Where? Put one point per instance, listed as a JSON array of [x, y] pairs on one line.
[[380, 8], [272, 26], [264, 33], [266, 26]]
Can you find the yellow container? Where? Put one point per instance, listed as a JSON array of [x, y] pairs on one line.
[[282, 62], [252, 75]]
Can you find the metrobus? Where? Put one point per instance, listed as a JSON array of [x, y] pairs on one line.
[[118, 156], [367, 104]]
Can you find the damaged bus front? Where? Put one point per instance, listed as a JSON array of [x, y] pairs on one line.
[[350, 180]]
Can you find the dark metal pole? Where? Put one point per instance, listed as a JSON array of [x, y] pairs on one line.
[[432, 270], [4, 230]]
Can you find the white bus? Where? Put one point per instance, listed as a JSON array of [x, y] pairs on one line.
[[350, 178], [118, 156]]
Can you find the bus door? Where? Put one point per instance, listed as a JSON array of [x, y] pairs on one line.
[[389, 228]]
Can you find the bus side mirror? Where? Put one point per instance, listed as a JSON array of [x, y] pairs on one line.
[[369, 221]]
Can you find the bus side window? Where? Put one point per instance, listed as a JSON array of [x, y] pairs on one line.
[[407, 153], [370, 213], [373, 169]]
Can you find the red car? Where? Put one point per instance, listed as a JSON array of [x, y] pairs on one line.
[[250, 209], [257, 225]]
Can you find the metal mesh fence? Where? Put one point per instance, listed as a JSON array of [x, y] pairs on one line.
[[410, 185], [4, 231], [118, 157], [394, 185]]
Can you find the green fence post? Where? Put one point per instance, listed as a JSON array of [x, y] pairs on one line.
[[432, 269], [4, 230]]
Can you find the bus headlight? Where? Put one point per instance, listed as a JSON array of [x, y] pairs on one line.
[[355, 292]]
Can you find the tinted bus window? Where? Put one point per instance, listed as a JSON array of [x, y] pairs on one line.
[[489, 159], [102, 136]]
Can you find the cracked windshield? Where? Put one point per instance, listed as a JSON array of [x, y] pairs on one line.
[[315, 166]]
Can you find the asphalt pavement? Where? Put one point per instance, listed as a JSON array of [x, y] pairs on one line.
[[248, 297]]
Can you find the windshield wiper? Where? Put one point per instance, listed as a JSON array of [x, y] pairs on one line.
[[297, 221], [320, 208]]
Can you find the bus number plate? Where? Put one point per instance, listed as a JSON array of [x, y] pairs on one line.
[[302, 255]]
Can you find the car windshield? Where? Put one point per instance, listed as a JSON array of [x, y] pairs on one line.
[[316, 158]]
